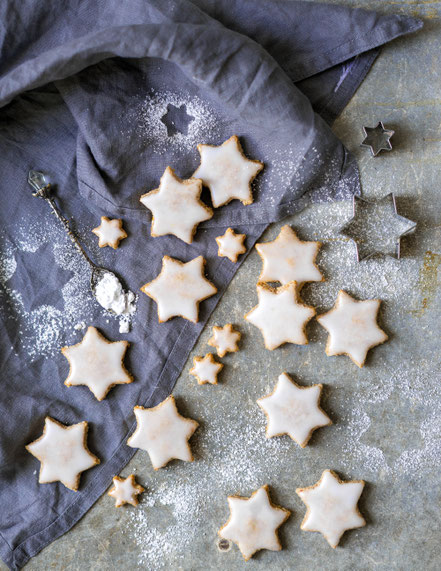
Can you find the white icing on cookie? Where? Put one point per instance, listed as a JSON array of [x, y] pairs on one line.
[[175, 206], [179, 288], [125, 491], [110, 232], [96, 363], [225, 339], [352, 327], [163, 433], [231, 245], [63, 453], [206, 369], [288, 259], [332, 506], [279, 315], [253, 523], [227, 172], [293, 410]]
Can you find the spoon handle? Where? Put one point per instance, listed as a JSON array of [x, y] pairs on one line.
[[42, 190]]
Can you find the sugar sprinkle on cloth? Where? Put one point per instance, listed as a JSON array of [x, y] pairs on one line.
[[83, 97]]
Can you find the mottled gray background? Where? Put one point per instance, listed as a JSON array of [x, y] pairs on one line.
[[387, 427]]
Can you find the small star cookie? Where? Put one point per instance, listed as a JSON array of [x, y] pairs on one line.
[[231, 245], [206, 369], [179, 288], [176, 206], [225, 339], [293, 410], [288, 259], [110, 232], [254, 522], [279, 315], [125, 491], [227, 172], [352, 327], [332, 506], [63, 453], [163, 433], [97, 363]]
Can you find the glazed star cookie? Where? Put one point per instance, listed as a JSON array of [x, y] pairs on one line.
[[97, 363], [179, 288], [288, 259], [332, 506], [63, 453], [254, 522], [352, 327], [206, 369], [163, 433], [279, 315], [176, 206], [227, 172], [293, 410], [125, 491], [231, 245], [110, 232], [225, 339]]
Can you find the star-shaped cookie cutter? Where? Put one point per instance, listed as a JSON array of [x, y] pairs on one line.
[[373, 231], [377, 138]]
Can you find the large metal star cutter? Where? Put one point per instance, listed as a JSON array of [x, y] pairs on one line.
[[377, 138], [376, 227]]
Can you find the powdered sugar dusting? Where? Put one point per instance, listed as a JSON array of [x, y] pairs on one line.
[[202, 127]]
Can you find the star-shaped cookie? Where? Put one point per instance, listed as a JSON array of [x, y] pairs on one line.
[[332, 506], [225, 339], [125, 491], [288, 259], [231, 245], [176, 206], [63, 453], [110, 232], [163, 433], [97, 363], [293, 410], [227, 172], [279, 315], [179, 288], [352, 327], [206, 369], [254, 522]]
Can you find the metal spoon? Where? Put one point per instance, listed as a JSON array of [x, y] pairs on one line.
[[42, 189]]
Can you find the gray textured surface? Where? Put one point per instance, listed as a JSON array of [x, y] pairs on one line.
[[386, 416]]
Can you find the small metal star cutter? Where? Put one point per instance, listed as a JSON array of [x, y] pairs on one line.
[[376, 227], [377, 138]]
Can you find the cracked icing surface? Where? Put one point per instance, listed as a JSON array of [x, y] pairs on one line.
[[293, 410], [332, 506], [227, 172], [288, 259], [96, 363], [179, 288], [63, 453], [352, 327], [253, 523], [175, 206], [163, 433], [279, 315]]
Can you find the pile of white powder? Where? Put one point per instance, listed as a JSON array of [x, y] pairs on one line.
[[111, 296]]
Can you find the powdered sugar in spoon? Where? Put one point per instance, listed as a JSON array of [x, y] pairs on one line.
[[105, 285]]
